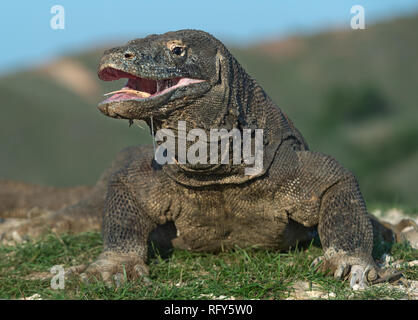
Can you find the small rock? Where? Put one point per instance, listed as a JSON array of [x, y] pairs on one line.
[[16, 237], [413, 263], [303, 290], [386, 260], [213, 297], [358, 287], [328, 295], [410, 234], [314, 294], [36, 296]]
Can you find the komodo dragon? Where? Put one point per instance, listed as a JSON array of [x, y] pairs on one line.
[[190, 76]]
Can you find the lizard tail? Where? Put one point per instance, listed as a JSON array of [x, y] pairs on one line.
[[18, 199]]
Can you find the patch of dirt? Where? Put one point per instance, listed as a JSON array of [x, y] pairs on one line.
[[38, 276], [36, 296], [408, 287], [303, 291], [20, 217], [211, 296]]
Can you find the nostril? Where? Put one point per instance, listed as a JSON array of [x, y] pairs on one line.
[[129, 55]]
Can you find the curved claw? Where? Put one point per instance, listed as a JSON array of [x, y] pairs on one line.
[[317, 262], [118, 279], [358, 277], [342, 270], [360, 273]]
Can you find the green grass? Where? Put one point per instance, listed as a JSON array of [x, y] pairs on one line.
[[240, 273]]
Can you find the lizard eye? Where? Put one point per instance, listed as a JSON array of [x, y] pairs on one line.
[[129, 55], [179, 51]]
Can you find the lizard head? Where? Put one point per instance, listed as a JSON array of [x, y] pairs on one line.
[[189, 75], [164, 73]]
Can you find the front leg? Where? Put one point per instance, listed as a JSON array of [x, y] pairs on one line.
[[330, 198], [126, 229], [346, 233]]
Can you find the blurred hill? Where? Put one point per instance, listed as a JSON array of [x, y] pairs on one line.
[[353, 94]]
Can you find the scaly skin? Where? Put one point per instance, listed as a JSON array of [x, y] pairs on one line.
[[208, 208]]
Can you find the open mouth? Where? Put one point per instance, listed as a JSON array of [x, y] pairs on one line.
[[141, 88]]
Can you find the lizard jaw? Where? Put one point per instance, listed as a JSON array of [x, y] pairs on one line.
[[138, 88]]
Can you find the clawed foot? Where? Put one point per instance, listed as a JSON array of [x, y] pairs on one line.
[[359, 272], [115, 268]]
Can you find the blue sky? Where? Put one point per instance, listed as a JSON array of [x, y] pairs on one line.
[[27, 37]]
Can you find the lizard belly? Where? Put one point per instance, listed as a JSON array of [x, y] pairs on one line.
[[218, 229]]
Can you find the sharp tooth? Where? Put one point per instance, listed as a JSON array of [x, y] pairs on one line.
[[160, 85]]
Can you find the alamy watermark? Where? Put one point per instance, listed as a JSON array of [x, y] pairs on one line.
[[243, 143], [358, 21], [58, 281], [58, 19]]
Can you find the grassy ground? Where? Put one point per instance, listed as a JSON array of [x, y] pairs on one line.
[[239, 274]]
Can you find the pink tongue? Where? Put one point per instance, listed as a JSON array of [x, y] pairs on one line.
[[122, 96]]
